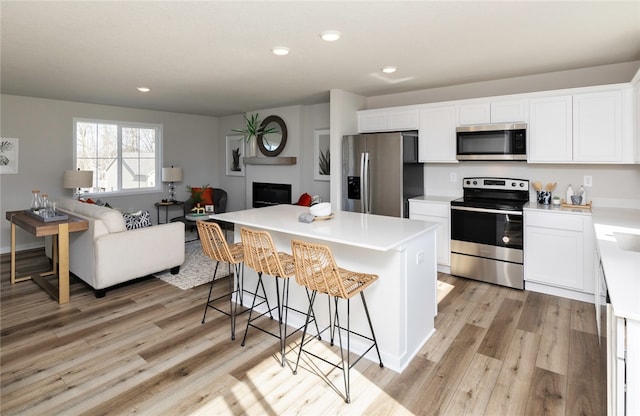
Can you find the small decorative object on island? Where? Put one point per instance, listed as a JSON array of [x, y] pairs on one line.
[[250, 132]]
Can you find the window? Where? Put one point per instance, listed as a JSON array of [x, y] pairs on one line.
[[124, 157]]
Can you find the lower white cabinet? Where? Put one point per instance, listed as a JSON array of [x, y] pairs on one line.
[[435, 212], [558, 254]]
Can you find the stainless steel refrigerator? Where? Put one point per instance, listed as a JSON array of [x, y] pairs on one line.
[[380, 172]]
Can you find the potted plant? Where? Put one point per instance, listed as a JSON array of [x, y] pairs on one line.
[[253, 128]]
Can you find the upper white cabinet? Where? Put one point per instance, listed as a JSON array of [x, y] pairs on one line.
[[387, 119], [597, 127], [550, 129], [493, 111], [588, 127], [437, 134]]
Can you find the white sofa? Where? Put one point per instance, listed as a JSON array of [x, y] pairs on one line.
[[108, 254]]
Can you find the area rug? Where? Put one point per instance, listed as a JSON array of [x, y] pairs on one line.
[[196, 270]]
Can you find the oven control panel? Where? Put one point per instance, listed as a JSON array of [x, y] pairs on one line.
[[496, 183]]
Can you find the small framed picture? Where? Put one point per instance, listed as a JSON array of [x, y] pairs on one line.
[[234, 155], [9, 155], [208, 209], [321, 155]]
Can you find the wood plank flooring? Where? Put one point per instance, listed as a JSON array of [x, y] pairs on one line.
[[142, 350]]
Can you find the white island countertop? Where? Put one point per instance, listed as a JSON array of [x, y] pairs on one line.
[[621, 267], [375, 232]]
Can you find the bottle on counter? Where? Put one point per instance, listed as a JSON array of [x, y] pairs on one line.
[[569, 194], [583, 193]]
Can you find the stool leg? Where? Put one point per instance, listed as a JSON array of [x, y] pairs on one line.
[[373, 335], [206, 306], [304, 332], [280, 307], [345, 368], [253, 303]]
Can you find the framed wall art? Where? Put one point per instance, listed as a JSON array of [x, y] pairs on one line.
[[234, 154], [8, 155], [321, 155]]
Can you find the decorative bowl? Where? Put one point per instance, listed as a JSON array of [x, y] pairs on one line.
[[320, 210], [576, 199]]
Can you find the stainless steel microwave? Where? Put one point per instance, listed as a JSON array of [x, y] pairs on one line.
[[492, 142]]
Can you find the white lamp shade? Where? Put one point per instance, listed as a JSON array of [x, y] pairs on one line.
[[172, 174], [77, 179]]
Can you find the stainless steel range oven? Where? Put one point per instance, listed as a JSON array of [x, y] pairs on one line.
[[487, 231]]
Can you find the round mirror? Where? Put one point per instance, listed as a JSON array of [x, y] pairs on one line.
[[273, 137]]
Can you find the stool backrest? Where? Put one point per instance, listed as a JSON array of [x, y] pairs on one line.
[[260, 252], [214, 244], [316, 268]]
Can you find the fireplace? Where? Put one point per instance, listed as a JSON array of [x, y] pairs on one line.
[[265, 194]]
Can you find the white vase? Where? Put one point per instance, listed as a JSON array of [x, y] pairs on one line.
[[252, 147]]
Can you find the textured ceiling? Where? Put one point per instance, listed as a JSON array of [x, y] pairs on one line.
[[214, 57]]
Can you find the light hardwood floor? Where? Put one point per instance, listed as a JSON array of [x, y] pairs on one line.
[[143, 350]]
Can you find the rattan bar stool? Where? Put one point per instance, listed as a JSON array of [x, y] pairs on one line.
[[215, 246], [260, 254], [316, 269]]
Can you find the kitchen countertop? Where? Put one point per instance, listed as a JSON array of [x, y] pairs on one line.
[[376, 232], [439, 199], [621, 267], [534, 206]]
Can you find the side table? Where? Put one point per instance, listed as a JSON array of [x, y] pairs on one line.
[[60, 230], [166, 206]]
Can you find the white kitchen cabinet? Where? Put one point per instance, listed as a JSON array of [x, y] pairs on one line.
[[598, 127], [588, 127], [388, 119], [550, 129], [493, 111], [436, 212], [559, 250], [437, 134]]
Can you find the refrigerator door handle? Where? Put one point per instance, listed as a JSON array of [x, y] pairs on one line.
[[363, 186], [366, 186]]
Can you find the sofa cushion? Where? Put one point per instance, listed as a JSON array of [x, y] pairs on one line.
[[112, 219], [137, 220]]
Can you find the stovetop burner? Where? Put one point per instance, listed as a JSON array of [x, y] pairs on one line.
[[494, 193]]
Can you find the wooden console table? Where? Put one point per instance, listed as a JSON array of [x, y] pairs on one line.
[[60, 253]]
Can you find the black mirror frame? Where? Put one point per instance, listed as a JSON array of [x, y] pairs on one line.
[[283, 130]]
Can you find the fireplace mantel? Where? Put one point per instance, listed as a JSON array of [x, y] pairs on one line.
[[286, 160]]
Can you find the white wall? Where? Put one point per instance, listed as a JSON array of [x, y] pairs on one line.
[[344, 106], [45, 130]]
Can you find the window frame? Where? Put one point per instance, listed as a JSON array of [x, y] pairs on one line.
[[158, 127]]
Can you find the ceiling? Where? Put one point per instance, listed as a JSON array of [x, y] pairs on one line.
[[214, 57]]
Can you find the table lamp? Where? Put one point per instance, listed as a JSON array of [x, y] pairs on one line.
[[76, 179], [172, 175]]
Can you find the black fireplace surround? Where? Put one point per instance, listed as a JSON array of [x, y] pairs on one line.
[[266, 194]]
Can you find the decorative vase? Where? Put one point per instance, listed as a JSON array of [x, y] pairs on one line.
[[252, 147]]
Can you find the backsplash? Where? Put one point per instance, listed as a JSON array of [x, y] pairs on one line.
[[613, 185]]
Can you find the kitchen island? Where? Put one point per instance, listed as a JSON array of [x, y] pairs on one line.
[[402, 252]]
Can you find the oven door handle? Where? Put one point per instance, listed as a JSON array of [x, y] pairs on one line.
[[490, 211]]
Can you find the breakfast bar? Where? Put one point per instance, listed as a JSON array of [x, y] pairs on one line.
[[402, 252]]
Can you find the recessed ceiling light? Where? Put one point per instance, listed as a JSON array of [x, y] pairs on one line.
[[389, 69], [143, 89], [280, 50], [330, 35]]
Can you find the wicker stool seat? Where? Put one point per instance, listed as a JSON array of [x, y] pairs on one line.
[[316, 269], [215, 246], [260, 254]]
